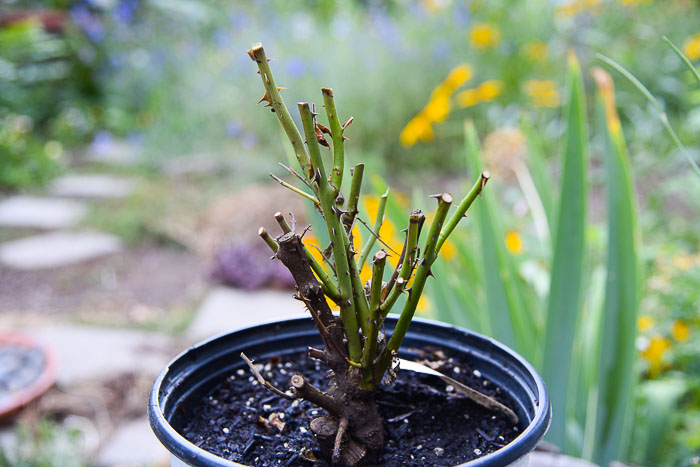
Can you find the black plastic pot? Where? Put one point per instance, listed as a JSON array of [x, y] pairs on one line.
[[194, 373]]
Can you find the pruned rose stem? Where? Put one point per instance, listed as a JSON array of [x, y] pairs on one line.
[[353, 348], [378, 221], [338, 141]]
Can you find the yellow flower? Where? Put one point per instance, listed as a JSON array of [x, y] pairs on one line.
[[448, 250], [633, 2], [691, 48], [542, 93], [680, 331], [438, 109], [536, 51], [645, 323], [484, 36], [435, 5], [356, 237], [419, 128], [423, 305], [654, 353], [683, 262], [366, 273], [311, 241], [575, 7], [514, 243], [489, 90], [458, 76], [468, 98]]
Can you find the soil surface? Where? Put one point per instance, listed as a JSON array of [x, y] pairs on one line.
[[426, 423]]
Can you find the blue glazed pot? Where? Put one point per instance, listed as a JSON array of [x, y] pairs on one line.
[[196, 371]]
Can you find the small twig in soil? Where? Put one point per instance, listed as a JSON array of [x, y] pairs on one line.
[[311, 393], [342, 426], [263, 382]]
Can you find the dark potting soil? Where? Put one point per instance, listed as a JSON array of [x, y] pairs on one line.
[[426, 422]]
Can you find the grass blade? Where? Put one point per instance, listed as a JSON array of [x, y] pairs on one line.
[[685, 59], [565, 304], [650, 97], [617, 376]]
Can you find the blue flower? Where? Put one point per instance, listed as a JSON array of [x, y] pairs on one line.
[[296, 67], [88, 22]]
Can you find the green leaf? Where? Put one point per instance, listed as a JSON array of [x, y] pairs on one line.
[[652, 100], [617, 376], [565, 303], [661, 398], [537, 165], [685, 59], [510, 321]]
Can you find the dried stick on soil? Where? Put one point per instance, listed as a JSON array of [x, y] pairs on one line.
[[342, 426], [263, 382], [311, 393]]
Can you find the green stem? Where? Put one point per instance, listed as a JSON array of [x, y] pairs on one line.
[[257, 54], [338, 141], [370, 349], [268, 239], [358, 289], [279, 217], [462, 209], [296, 190], [377, 227], [335, 232], [409, 309], [409, 257], [329, 288], [348, 216]]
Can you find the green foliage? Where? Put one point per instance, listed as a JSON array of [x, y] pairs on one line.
[[590, 324], [565, 291], [46, 444], [25, 160]]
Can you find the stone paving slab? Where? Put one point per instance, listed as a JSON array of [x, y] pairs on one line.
[[56, 249], [225, 309], [133, 444], [91, 353], [40, 213], [115, 152], [92, 186]]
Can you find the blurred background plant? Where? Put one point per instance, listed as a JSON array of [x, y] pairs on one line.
[[171, 79]]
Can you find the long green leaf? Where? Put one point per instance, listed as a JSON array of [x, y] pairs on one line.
[[537, 165], [509, 320], [652, 100], [685, 59], [661, 397], [565, 304], [617, 374]]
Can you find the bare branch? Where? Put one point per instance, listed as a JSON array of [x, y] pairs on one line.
[[263, 382]]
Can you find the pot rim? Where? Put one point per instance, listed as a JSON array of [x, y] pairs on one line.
[[186, 451]]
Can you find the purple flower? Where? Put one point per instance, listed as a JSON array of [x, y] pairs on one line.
[[125, 11], [249, 139], [88, 22], [296, 67], [233, 129], [249, 267]]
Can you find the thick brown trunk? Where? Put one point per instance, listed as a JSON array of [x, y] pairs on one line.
[[353, 432]]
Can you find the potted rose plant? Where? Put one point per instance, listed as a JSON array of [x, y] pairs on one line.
[[207, 411]]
